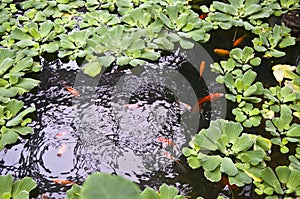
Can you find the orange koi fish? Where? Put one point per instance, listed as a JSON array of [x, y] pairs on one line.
[[165, 140], [221, 52], [201, 68], [239, 40], [73, 91], [203, 15], [60, 134], [207, 98], [63, 182], [169, 156], [62, 149]]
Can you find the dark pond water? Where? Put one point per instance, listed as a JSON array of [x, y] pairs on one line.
[[119, 124]]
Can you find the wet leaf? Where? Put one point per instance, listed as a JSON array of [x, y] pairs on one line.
[[213, 176], [228, 167], [92, 68], [283, 173], [193, 162], [243, 143], [100, 185], [210, 163]]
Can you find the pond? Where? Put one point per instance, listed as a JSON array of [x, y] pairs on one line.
[[134, 121]]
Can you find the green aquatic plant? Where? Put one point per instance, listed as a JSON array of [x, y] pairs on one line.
[[107, 186], [271, 39], [224, 149], [19, 189], [13, 68], [283, 183], [242, 13]]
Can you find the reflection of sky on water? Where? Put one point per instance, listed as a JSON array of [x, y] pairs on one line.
[[103, 134]]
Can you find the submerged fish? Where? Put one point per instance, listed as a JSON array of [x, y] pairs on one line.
[[60, 134], [73, 91], [165, 140], [206, 99], [201, 68], [63, 182], [62, 149], [221, 52], [239, 40]]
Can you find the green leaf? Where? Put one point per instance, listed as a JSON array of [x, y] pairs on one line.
[[213, 176], [92, 68], [193, 162], [167, 192], [210, 163], [25, 184], [74, 192], [294, 131], [18, 34], [293, 180], [100, 185], [5, 65], [6, 183], [150, 193], [243, 143], [232, 130], [228, 167], [283, 173], [270, 178]]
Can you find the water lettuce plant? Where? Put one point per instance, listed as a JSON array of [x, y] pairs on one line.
[[223, 148], [283, 183], [18, 189], [106, 186]]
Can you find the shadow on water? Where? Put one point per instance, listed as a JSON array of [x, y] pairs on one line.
[[134, 123]]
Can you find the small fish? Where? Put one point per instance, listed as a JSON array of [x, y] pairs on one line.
[[62, 149], [73, 91], [60, 134], [221, 52], [201, 69], [239, 40], [207, 98], [165, 140], [184, 107], [63, 182], [203, 15], [169, 156]]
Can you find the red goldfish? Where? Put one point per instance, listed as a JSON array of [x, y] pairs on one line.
[[239, 40], [60, 134], [221, 52], [203, 15], [169, 156], [206, 99], [63, 182], [73, 91], [165, 140], [62, 149], [201, 69]]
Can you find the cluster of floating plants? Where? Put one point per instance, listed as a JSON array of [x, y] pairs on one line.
[[135, 32]]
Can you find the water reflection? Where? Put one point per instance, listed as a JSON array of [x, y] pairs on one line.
[[118, 127]]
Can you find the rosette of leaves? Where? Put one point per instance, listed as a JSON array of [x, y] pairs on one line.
[[74, 44], [34, 37], [117, 44], [186, 24], [100, 185], [19, 189], [270, 39], [282, 6], [247, 114], [281, 128], [13, 122], [236, 13], [283, 183], [97, 18], [12, 71], [7, 22], [224, 149], [239, 60], [121, 6], [45, 9]]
